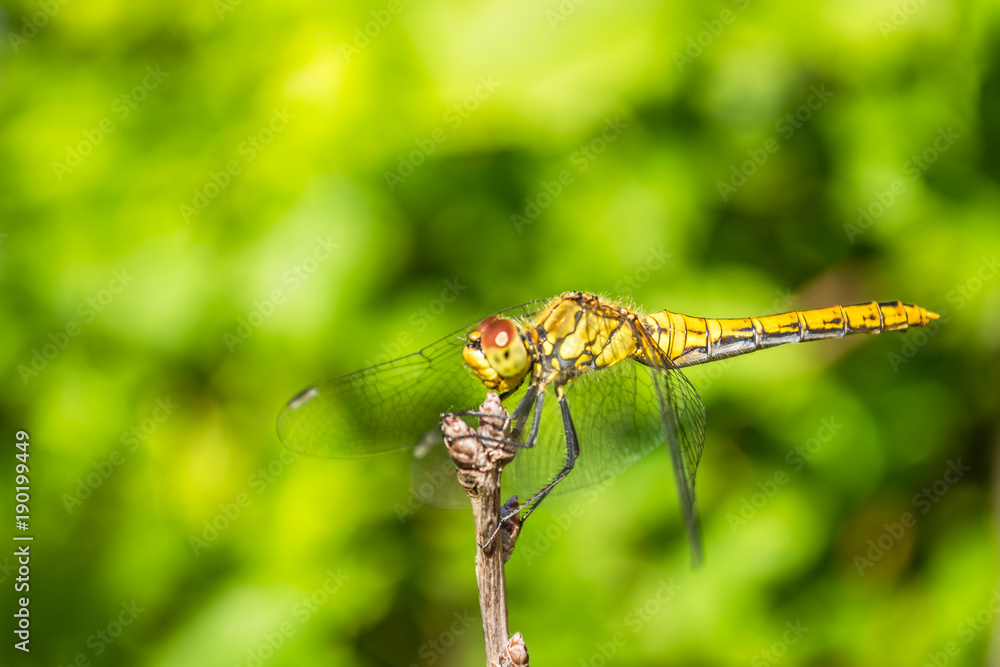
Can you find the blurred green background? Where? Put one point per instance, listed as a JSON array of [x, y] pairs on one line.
[[205, 207]]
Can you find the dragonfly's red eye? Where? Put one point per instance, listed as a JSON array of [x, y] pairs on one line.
[[503, 348], [497, 333]]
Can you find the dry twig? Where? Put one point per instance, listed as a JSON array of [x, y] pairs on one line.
[[480, 456]]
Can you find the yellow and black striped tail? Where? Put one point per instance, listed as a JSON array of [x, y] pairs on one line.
[[694, 340]]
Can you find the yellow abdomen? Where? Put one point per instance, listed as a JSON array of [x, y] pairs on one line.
[[693, 340]]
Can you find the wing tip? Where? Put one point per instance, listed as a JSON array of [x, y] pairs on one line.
[[287, 432], [697, 546], [302, 397]]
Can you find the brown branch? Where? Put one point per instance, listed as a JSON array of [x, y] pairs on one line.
[[480, 456]]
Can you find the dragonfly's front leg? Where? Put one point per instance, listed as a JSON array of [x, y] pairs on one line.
[[536, 421], [532, 397], [522, 411]]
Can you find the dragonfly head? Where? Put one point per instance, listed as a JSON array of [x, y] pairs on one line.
[[497, 355]]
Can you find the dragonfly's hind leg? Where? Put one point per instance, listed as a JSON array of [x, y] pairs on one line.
[[572, 452]]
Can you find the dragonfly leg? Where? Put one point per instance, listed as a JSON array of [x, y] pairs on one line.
[[519, 417], [522, 411], [572, 451], [532, 397], [536, 422], [530, 442]]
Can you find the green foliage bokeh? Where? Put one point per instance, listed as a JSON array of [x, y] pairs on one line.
[[204, 207]]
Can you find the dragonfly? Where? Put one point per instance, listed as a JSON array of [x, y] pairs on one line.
[[594, 386]]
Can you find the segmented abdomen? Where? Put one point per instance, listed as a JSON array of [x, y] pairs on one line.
[[693, 340]]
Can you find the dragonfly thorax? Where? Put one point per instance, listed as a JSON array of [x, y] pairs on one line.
[[497, 355]]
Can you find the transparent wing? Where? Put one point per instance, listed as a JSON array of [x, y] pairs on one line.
[[617, 422], [431, 458], [684, 420], [621, 414], [433, 479], [389, 406], [619, 419]]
